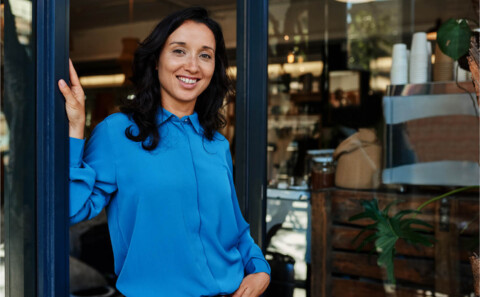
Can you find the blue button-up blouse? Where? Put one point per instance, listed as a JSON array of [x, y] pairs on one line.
[[175, 223]]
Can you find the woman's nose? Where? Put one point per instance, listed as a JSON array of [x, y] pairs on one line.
[[192, 65]]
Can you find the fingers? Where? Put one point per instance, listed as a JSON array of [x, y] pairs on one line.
[[67, 93], [73, 74]]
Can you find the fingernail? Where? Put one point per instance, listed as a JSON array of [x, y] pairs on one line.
[[62, 83]]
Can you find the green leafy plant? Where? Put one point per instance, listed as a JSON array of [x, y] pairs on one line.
[[390, 228], [453, 38]]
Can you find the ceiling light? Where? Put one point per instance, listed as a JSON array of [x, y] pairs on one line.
[[290, 58], [112, 80]]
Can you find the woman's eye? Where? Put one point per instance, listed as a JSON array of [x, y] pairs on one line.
[[206, 56], [178, 51]]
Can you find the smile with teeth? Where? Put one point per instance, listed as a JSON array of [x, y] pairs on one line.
[[187, 80]]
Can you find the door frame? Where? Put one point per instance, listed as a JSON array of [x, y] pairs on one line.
[[251, 114], [52, 19]]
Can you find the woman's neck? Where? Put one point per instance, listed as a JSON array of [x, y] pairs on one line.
[[180, 110]]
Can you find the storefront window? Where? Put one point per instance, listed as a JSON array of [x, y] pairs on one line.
[[17, 150], [331, 137]]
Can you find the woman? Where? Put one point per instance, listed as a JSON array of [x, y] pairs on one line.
[[165, 173]]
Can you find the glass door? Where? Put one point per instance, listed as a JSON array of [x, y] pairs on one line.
[[17, 150], [33, 149]]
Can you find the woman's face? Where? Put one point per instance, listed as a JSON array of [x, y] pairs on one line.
[[186, 63]]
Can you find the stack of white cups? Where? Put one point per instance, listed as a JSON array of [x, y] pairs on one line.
[[419, 59], [399, 71], [429, 60]]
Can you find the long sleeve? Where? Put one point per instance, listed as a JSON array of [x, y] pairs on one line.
[[253, 258], [92, 174]]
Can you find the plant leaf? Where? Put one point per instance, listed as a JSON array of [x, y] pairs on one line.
[[405, 212], [389, 229], [415, 237], [387, 208], [366, 228], [408, 222], [367, 240], [363, 215], [386, 249], [453, 37]]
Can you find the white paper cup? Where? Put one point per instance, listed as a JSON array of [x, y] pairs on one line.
[[399, 74], [419, 59], [419, 43], [399, 52], [429, 59]]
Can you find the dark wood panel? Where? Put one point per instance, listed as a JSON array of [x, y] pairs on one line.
[[416, 271], [467, 215], [447, 266], [321, 245], [348, 203], [342, 239], [354, 288]]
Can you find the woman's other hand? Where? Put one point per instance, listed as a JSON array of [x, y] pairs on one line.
[[74, 103], [253, 285]]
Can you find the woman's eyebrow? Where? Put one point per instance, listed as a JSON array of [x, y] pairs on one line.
[[184, 43]]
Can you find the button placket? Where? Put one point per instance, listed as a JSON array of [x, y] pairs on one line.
[[184, 129]]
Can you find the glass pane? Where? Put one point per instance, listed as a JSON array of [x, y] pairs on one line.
[[104, 36], [296, 70], [17, 149], [329, 71]]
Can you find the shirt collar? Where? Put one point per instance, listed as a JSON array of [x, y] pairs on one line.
[[165, 115]]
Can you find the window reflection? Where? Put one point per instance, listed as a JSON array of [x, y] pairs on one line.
[[329, 68], [17, 137]]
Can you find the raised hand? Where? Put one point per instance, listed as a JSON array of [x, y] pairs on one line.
[[253, 285], [74, 103]]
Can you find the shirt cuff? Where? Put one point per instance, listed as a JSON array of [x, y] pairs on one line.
[[76, 151], [256, 265]]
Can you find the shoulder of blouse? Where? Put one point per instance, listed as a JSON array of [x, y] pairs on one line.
[[220, 140], [118, 119]]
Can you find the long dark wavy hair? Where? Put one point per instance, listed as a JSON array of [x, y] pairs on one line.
[[143, 108]]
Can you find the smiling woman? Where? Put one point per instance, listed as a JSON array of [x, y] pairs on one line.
[[165, 173], [186, 66], [186, 46]]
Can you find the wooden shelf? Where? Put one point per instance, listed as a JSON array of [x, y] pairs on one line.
[[338, 269]]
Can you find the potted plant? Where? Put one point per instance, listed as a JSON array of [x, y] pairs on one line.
[[390, 228]]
